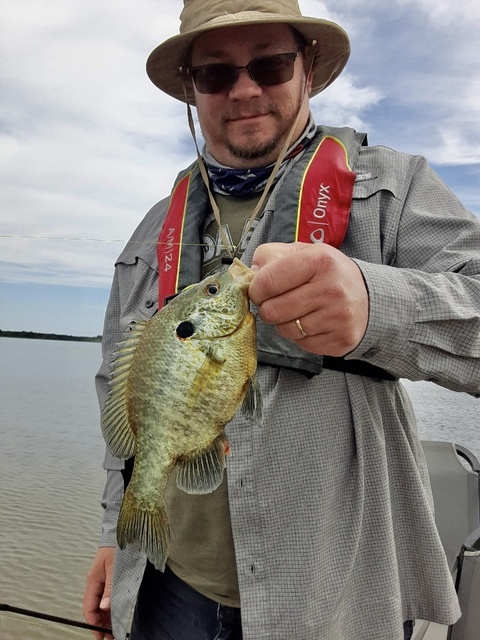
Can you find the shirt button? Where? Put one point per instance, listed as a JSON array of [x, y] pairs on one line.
[[371, 353], [149, 303]]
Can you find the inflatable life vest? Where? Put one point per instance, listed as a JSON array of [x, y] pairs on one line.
[[312, 204]]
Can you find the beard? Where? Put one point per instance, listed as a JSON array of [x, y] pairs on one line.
[[252, 152], [256, 149]]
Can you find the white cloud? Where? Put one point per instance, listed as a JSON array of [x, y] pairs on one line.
[[345, 103], [455, 145], [423, 57], [89, 144], [446, 13]]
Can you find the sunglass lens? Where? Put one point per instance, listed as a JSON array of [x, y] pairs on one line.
[[272, 70], [214, 78], [266, 71]]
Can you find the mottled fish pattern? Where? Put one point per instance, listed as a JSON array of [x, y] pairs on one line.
[[177, 380]]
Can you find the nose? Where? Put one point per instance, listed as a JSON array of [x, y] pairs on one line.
[[245, 86]]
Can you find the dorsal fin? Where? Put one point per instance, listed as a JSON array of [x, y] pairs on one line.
[[116, 429]]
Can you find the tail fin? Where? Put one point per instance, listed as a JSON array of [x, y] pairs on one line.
[[147, 530]]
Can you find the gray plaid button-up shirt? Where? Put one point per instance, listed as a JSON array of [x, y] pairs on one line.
[[331, 510]]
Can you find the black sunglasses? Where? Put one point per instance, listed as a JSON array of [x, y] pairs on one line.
[[266, 71]]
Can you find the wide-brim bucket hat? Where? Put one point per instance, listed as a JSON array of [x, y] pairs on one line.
[[200, 16]]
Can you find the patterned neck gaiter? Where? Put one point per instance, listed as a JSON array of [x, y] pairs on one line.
[[238, 182]]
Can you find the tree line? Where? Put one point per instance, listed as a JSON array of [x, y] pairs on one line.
[[48, 336]]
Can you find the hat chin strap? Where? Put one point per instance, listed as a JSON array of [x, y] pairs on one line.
[[281, 156]]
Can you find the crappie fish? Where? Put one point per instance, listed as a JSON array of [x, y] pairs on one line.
[[177, 379]]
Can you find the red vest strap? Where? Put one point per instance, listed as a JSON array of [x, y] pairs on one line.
[[325, 195], [323, 210], [169, 246]]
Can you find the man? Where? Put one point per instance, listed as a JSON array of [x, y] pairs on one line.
[[367, 270]]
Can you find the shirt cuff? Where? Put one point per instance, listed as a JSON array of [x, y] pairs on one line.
[[391, 316]]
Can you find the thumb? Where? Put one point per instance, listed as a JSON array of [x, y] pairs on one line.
[[106, 601], [271, 251]]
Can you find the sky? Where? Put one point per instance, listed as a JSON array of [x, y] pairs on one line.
[[88, 144]]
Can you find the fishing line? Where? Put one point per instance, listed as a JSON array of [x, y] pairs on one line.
[[79, 239], [24, 237], [56, 619]]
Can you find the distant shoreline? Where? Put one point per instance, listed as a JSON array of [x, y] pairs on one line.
[[34, 335]]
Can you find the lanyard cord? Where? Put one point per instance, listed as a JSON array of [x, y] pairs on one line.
[[203, 172], [281, 156]]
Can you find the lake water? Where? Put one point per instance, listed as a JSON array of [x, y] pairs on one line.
[[51, 477], [51, 482]]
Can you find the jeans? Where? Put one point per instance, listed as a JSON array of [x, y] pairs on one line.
[[169, 609], [408, 629]]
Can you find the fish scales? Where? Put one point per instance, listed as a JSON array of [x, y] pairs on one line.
[[177, 380]]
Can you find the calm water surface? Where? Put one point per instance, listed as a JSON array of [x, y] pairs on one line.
[[51, 481], [51, 477]]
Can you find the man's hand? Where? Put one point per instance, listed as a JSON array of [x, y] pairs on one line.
[[96, 601], [319, 286]]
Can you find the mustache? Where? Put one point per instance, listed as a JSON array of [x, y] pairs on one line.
[[236, 111]]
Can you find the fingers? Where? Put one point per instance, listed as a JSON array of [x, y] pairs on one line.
[[279, 267], [316, 284], [97, 597], [97, 617], [330, 342]]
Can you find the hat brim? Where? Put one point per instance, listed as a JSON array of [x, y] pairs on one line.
[[332, 50]]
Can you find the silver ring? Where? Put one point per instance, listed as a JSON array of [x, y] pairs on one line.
[[300, 328]]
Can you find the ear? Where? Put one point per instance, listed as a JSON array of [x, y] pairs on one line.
[[309, 82]]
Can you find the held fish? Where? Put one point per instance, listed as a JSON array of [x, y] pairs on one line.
[[177, 380]]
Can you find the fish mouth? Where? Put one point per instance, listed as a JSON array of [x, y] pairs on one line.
[[241, 273]]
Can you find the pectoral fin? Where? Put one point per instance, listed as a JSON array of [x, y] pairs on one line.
[[206, 375], [203, 473], [252, 406]]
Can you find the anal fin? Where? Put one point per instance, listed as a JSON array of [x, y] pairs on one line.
[[203, 473]]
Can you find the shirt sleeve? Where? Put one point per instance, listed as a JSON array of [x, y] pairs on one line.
[[424, 320], [113, 491]]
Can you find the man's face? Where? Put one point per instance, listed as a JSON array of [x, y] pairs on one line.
[[247, 125]]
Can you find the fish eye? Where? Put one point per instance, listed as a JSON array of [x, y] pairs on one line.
[[212, 289], [185, 329]]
